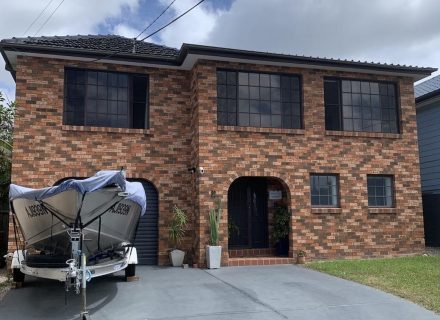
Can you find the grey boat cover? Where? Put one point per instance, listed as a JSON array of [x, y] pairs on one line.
[[100, 180]]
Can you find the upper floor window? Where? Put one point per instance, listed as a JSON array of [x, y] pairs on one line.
[[380, 191], [105, 99], [324, 190], [250, 99], [352, 105]]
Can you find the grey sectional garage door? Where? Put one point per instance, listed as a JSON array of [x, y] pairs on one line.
[[146, 240]]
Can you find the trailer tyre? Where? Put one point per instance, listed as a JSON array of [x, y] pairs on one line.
[[130, 271], [17, 275]]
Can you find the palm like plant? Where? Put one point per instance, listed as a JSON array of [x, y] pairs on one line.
[[177, 226], [214, 222]]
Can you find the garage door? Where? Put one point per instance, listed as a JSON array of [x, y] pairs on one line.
[[146, 240]]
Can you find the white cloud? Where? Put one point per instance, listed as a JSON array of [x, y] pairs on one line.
[[392, 31], [72, 17], [398, 31], [194, 27], [125, 30]]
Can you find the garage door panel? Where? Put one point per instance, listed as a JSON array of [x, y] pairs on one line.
[[146, 240]]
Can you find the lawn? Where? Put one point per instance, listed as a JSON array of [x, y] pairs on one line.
[[413, 278]]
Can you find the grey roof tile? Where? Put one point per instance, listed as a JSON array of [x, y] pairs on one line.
[[427, 87], [104, 43]]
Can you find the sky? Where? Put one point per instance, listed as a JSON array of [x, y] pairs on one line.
[[390, 31]]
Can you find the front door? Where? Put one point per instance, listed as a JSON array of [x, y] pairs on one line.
[[247, 213]]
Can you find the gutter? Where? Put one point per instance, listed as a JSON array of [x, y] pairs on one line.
[[428, 96], [8, 66], [82, 53], [284, 58], [191, 49]]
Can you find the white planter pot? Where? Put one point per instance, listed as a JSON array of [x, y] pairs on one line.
[[213, 256], [176, 257]]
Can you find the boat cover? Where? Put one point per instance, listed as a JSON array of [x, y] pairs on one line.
[[100, 180]]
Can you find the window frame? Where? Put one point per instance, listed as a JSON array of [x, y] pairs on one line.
[[237, 71], [338, 190], [130, 97], [397, 97], [393, 190]]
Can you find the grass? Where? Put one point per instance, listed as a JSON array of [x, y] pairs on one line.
[[413, 278]]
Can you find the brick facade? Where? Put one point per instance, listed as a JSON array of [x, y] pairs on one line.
[[184, 133]]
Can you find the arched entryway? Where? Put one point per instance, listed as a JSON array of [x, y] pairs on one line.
[[255, 207]]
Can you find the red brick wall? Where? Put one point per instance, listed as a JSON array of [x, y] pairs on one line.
[[184, 133], [45, 151], [354, 230]]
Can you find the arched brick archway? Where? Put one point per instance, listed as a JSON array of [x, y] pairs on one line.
[[251, 205]]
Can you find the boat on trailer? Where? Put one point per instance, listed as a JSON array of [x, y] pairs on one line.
[[77, 230]]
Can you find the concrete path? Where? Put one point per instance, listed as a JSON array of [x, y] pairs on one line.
[[251, 293]]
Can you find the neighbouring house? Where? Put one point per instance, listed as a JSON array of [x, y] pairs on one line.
[[427, 96], [333, 141]]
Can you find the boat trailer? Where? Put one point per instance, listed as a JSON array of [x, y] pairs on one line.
[[77, 273]]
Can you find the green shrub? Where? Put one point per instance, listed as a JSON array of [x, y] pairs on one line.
[[281, 218]]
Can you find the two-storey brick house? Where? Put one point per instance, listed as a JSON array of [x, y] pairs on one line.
[[333, 141]]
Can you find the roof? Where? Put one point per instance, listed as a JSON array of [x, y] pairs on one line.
[[104, 43], [113, 48], [427, 89]]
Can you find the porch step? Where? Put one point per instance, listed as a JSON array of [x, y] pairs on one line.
[[260, 252], [259, 261]]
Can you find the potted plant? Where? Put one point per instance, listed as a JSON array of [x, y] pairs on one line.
[[301, 257], [233, 229], [213, 250], [176, 231], [280, 233]]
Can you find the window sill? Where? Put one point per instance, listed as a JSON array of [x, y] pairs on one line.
[[260, 130], [378, 210], [363, 134], [326, 210], [106, 129]]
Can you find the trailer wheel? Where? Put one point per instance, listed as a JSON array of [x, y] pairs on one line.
[[85, 316], [17, 275], [130, 271]]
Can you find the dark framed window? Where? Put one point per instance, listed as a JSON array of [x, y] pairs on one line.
[[324, 190], [353, 105], [105, 99], [251, 99], [380, 191]]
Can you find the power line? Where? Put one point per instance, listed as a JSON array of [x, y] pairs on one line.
[[156, 19], [47, 20], [38, 17], [152, 34], [174, 20]]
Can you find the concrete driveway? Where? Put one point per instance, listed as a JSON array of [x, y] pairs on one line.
[[270, 292]]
